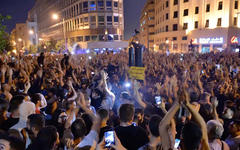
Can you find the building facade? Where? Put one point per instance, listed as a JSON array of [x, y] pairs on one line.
[[24, 35], [147, 25], [85, 22], [206, 24]]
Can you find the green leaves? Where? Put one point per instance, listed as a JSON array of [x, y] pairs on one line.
[[5, 44]]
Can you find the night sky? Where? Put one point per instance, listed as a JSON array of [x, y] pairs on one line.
[[18, 10]]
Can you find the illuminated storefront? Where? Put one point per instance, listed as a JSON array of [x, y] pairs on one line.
[[205, 45]]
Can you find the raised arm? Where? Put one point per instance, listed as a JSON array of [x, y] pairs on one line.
[[136, 94], [165, 127], [200, 121]]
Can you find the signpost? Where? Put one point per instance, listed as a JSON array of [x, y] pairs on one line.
[[137, 73], [137, 69]]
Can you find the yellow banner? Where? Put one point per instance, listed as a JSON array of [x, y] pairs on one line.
[[137, 73]]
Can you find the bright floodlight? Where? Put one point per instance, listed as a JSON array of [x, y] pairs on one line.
[[55, 16], [90, 57], [20, 40], [31, 32], [87, 51]]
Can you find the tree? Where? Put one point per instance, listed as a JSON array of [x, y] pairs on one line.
[[5, 44]]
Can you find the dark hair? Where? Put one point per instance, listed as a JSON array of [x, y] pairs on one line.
[[69, 103], [3, 105], [15, 102], [37, 121], [35, 98], [78, 128], [84, 148], [88, 122], [126, 112], [154, 125], [139, 111], [15, 143], [46, 138], [103, 113], [192, 136]]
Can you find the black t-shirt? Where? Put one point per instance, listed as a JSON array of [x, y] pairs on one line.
[[10, 122], [103, 130], [132, 137]]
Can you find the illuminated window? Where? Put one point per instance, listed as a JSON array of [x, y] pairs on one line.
[[196, 24], [185, 26], [220, 5], [175, 2], [235, 21], [196, 10], [219, 23], [185, 1], [166, 16], [208, 8], [207, 24], [166, 28], [236, 5], [185, 13], [175, 27], [166, 4], [92, 6], [175, 15]]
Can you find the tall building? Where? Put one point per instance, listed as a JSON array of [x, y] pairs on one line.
[[206, 24], [147, 25], [24, 35], [87, 24]]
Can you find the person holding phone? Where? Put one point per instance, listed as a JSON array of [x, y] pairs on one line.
[[132, 137]]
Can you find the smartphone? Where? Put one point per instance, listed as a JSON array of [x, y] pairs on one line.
[[177, 143], [134, 124], [158, 100], [127, 85], [217, 66], [202, 72], [109, 138]]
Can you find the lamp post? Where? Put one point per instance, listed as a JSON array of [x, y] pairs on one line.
[[31, 32], [56, 17]]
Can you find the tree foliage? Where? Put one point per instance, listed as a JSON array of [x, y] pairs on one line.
[[5, 44]]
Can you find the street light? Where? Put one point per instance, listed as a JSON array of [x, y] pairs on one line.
[[31, 32], [56, 17], [19, 40]]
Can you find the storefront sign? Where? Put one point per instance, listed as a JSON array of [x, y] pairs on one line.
[[217, 40], [234, 40]]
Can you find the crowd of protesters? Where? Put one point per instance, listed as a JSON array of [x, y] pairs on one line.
[[68, 102]]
